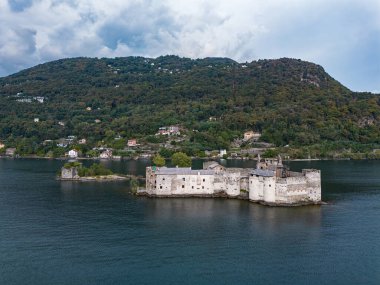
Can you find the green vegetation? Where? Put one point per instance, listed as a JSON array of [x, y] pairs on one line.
[[95, 169], [291, 102], [180, 159], [158, 160], [72, 164]]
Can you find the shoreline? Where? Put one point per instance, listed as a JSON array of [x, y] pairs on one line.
[[100, 178], [200, 158], [224, 195]]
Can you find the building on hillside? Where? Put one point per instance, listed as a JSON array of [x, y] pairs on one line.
[[269, 183], [2, 145], [73, 153], [132, 142], [39, 99], [82, 141], [251, 135], [106, 154], [36, 120], [170, 130], [10, 151], [222, 152]]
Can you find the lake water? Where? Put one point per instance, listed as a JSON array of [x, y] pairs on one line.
[[55, 232]]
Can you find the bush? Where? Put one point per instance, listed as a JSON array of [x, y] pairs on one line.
[[95, 169]]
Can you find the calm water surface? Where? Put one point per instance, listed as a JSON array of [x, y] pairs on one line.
[[55, 232]]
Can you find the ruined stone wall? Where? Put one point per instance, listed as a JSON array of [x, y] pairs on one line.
[[69, 173], [150, 181], [269, 189], [164, 184], [193, 185], [256, 188], [296, 189], [281, 190], [244, 183], [313, 184], [232, 180]]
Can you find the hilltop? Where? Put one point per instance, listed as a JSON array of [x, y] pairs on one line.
[[290, 101]]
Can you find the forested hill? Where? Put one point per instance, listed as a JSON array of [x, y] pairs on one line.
[[290, 101]]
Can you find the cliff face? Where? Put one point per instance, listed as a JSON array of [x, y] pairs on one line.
[[287, 100]]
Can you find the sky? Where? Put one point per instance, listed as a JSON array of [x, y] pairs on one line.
[[341, 35]]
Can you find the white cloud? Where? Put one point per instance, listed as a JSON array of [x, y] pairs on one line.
[[331, 33]]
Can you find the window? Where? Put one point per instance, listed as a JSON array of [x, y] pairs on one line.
[[160, 187], [203, 187], [163, 178], [192, 187], [183, 179], [183, 186], [204, 180]]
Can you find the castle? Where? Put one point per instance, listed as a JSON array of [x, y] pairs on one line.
[[271, 183]]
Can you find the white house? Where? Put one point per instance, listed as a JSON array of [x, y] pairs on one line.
[[107, 154], [72, 153]]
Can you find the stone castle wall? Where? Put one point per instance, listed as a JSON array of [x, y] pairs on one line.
[[302, 187]]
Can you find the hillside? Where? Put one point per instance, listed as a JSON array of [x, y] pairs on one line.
[[290, 101]]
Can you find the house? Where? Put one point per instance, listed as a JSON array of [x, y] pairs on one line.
[[170, 130], [82, 141], [222, 152], [71, 139], [39, 99], [97, 121], [61, 123], [36, 120], [107, 154], [2, 145], [132, 142], [10, 151], [251, 135], [72, 153]]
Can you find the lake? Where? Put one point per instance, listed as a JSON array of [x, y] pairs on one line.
[[54, 232]]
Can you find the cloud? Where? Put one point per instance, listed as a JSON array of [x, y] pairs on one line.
[[19, 5], [342, 35]]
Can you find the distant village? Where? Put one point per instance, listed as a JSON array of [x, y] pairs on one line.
[[168, 138]]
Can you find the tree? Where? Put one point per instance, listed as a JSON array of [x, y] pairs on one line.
[[181, 159], [158, 160]]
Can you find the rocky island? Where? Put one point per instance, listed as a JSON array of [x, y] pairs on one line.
[[75, 171]]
